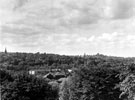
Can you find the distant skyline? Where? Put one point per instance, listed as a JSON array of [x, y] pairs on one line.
[[70, 27]]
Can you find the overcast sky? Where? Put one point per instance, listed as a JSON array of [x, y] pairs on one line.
[[71, 27]]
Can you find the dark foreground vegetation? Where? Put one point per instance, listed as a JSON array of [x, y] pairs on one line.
[[96, 77]]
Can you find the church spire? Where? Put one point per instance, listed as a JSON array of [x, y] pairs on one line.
[[5, 51]]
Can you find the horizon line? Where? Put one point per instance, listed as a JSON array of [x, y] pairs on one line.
[[87, 54]]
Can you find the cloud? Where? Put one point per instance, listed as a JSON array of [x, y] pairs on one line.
[[80, 13], [119, 9], [19, 3], [118, 39], [123, 9], [7, 14], [120, 44], [64, 13], [67, 26]]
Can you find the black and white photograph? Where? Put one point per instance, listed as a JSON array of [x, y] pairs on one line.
[[67, 49]]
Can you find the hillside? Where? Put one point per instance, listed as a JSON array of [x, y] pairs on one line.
[[87, 77]]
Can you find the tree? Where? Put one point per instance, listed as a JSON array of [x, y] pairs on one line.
[[94, 83], [64, 92], [26, 87], [127, 84]]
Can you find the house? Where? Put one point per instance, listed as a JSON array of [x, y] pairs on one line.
[[32, 72], [38, 71], [49, 76], [55, 70], [59, 75]]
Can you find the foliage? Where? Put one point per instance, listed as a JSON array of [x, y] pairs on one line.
[[26, 87], [64, 92], [94, 83], [127, 84], [94, 77], [25, 61]]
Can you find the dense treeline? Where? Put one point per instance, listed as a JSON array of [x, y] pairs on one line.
[[96, 77], [26, 61]]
